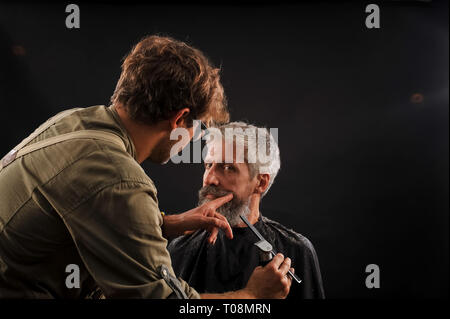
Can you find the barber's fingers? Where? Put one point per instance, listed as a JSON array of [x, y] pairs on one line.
[[215, 230], [228, 231], [213, 235], [276, 261], [285, 265], [218, 221], [290, 277], [216, 203]]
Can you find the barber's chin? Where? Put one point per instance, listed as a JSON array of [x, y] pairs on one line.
[[165, 160]]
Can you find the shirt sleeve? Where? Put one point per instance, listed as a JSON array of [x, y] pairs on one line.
[[118, 234]]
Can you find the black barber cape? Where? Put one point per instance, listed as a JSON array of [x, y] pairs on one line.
[[228, 264]]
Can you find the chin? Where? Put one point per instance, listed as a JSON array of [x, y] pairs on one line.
[[164, 161]]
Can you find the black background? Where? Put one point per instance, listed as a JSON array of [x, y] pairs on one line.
[[364, 164]]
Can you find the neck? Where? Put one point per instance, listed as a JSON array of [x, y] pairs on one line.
[[254, 210], [145, 137]]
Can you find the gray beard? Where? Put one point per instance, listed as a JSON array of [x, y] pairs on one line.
[[232, 210]]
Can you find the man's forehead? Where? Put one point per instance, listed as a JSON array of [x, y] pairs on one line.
[[224, 151]]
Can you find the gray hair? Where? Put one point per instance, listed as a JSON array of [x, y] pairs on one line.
[[262, 141]]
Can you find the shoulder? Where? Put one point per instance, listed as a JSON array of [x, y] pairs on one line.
[[124, 166], [110, 165], [287, 236], [190, 242], [99, 171]]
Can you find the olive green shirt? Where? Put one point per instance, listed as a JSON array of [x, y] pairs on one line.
[[85, 202]]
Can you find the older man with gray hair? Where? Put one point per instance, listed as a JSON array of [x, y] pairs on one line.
[[244, 160]]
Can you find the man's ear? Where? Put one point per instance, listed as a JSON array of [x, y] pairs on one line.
[[179, 119], [262, 183]]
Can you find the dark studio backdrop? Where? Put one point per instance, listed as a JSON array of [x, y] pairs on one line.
[[362, 116]]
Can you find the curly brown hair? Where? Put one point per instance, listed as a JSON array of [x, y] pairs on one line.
[[161, 75]]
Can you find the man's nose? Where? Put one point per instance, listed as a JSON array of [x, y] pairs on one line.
[[210, 178]]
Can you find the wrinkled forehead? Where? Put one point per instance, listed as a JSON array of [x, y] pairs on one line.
[[224, 150]]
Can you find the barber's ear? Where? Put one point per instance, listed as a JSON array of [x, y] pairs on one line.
[[179, 119], [262, 183]]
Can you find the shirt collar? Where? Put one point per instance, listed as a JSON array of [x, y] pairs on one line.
[[130, 147]]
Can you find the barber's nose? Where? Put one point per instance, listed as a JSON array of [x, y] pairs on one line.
[[210, 178]]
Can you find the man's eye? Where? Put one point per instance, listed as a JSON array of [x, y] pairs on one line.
[[228, 168]]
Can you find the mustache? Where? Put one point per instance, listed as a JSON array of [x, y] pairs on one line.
[[213, 190], [232, 209]]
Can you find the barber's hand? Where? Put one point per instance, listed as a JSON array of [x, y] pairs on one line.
[[272, 280], [202, 217]]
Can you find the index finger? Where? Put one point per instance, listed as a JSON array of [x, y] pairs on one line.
[[276, 261], [285, 265], [216, 203], [227, 230]]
